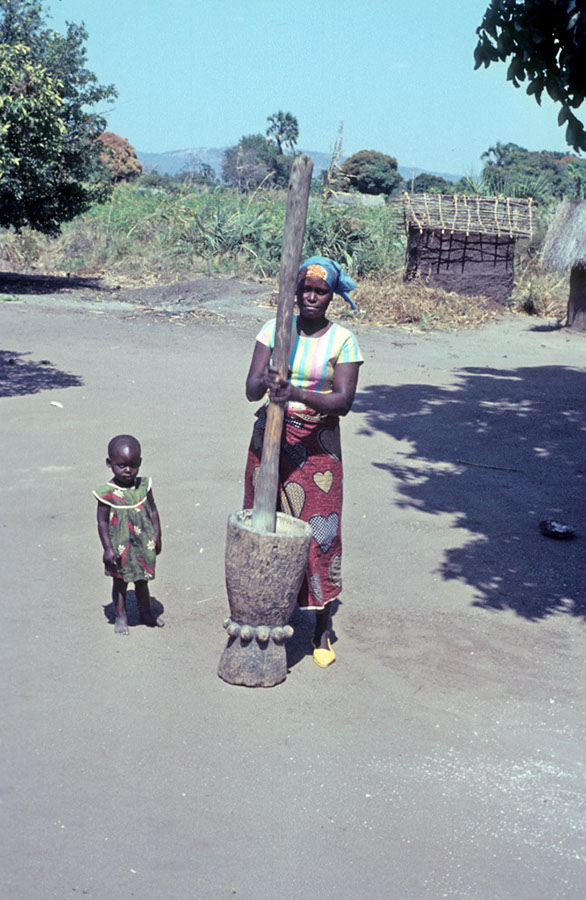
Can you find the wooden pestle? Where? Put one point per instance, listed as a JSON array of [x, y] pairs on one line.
[[264, 514]]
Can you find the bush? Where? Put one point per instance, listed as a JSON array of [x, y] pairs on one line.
[[371, 172]]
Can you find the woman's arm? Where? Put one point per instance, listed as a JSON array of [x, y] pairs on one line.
[[109, 556], [156, 522], [337, 403], [256, 380]]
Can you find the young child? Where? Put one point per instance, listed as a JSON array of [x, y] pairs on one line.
[[129, 529]]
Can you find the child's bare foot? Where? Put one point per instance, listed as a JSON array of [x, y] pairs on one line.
[[121, 625], [152, 621]]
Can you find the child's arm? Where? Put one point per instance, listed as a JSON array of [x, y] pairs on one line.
[[156, 522], [109, 558]]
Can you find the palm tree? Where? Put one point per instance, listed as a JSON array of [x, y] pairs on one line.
[[284, 130]]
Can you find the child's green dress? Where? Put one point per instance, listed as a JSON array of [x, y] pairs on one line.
[[132, 531]]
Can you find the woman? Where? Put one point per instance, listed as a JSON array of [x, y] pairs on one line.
[[323, 374]]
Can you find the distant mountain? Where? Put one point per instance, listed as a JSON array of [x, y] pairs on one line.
[[174, 161], [409, 172]]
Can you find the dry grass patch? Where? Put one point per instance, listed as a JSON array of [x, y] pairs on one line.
[[540, 293], [414, 305]]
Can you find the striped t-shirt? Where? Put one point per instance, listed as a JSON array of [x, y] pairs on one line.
[[312, 359]]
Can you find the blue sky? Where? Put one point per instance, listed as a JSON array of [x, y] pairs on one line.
[[399, 74]]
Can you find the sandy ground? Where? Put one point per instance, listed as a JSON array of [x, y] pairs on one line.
[[441, 756]]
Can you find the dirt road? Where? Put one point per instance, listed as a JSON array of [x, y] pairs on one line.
[[441, 756]]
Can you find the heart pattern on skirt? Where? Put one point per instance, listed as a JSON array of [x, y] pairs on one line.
[[325, 530], [324, 480], [329, 441], [292, 499], [336, 571], [315, 585], [297, 453]]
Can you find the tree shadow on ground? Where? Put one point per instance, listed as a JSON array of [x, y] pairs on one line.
[[16, 283], [499, 450], [20, 376]]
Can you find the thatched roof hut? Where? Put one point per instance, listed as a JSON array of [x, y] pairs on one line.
[[464, 243], [565, 242], [565, 248]]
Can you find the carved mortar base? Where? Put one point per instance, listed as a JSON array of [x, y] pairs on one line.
[[264, 572]]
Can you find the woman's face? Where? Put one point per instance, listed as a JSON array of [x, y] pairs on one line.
[[313, 297]]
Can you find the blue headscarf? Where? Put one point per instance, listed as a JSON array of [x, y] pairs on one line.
[[330, 272]]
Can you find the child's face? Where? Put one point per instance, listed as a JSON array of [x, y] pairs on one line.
[[125, 463]]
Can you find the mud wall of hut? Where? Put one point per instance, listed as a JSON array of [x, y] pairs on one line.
[[467, 263]]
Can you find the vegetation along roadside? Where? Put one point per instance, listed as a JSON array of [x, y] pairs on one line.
[[155, 234], [73, 200]]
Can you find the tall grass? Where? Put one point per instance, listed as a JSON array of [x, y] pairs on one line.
[[146, 234]]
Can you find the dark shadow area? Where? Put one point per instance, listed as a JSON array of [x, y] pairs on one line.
[[300, 645], [132, 613], [547, 329], [499, 450], [20, 376], [15, 283]]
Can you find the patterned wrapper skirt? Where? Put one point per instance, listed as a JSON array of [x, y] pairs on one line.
[[310, 488]]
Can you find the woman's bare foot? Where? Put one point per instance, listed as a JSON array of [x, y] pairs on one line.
[[121, 625]]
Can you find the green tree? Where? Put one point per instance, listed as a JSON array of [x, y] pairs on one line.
[[205, 172], [371, 172], [252, 162], [577, 171], [426, 183], [543, 175], [197, 173], [545, 41], [284, 130], [50, 169]]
